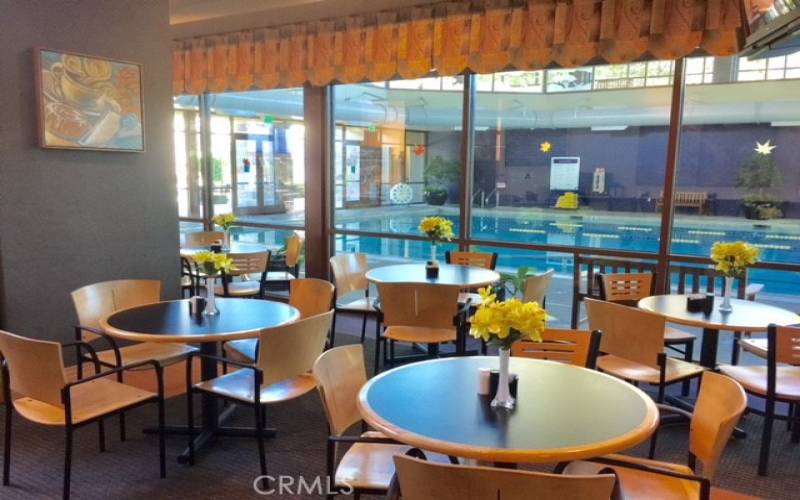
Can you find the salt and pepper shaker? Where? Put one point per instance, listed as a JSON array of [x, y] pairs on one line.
[[483, 381]]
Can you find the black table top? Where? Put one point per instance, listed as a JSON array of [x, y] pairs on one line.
[[171, 321], [449, 274], [563, 412]]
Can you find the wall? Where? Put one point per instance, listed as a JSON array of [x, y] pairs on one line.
[[69, 218]]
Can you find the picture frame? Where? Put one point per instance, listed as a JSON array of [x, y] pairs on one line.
[[90, 103]]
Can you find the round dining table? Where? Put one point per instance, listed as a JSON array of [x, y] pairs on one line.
[[172, 321], [562, 413], [746, 316], [449, 274]]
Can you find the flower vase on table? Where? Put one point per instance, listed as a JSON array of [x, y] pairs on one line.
[[213, 265], [436, 229], [226, 222], [501, 324], [732, 259]]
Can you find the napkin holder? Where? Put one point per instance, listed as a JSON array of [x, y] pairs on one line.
[[700, 303], [216, 247], [431, 269], [197, 305]]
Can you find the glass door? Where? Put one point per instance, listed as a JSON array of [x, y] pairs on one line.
[[254, 174]]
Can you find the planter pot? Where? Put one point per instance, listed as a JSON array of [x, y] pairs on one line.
[[753, 211], [436, 197]]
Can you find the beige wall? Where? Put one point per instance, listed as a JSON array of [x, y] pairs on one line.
[[69, 218]]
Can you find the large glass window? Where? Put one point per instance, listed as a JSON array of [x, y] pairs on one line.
[[738, 176], [397, 154], [188, 170], [581, 164]]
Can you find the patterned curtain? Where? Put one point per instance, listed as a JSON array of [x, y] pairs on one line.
[[449, 38]]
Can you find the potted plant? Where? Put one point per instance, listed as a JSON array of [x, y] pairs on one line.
[[512, 284], [439, 175], [213, 265], [501, 323], [759, 180]]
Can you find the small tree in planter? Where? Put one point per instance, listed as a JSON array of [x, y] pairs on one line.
[[759, 180], [439, 174]]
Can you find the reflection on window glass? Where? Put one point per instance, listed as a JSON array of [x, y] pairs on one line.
[[554, 169], [737, 176], [397, 147]]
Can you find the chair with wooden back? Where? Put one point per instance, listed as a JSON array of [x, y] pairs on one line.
[[536, 287], [246, 266], [366, 465], [422, 313], [774, 383], [288, 267], [36, 386], [628, 289], [573, 347], [719, 406], [286, 355], [632, 346], [487, 260], [350, 276], [202, 238], [421, 480], [584, 282], [311, 296], [98, 300]]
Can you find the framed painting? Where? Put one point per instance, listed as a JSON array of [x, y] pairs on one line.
[[88, 102]]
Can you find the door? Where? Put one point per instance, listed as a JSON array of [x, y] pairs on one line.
[[254, 174]]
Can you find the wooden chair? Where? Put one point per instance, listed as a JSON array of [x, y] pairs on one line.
[[421, 313], [720, 404], [774, 384], [573, 347], [286, 355], [247, 265], [486, 260], [536, 287], [585, 285], [288, 266], [203, 238], [632, 346], [35, 385], [350, 276], [189, 278], [366, 465], [310, 296], [423, 480], [628, 289]]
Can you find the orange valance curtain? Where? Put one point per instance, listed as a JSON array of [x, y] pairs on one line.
[[450, 38]]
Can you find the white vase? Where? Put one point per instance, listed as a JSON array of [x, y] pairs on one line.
[[226, 239], [726, 297], [503, 398], [211, 304], [433, 251]]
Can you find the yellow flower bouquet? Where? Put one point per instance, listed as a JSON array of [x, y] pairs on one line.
[[437, 228], [732, 258], [503, 323], [212, 264], [225, 221]]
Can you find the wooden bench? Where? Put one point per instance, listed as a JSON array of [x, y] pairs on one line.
[[687, 199]]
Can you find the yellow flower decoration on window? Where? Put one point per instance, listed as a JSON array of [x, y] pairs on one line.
[[545, 147]]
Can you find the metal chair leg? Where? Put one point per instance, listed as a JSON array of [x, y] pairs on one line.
[[7, 446], [67, 462], [101, 434], [377, 346], [162, 445], [766, 438], [332, 336], [122, 435], [688, 353], [735, 348], [262, 456], [794, 416], [190, 421], [330, 456]]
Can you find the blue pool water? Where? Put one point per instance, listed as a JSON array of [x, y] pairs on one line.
[[779, 241]]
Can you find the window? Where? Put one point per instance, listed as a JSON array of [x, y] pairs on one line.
[[188, 171]]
